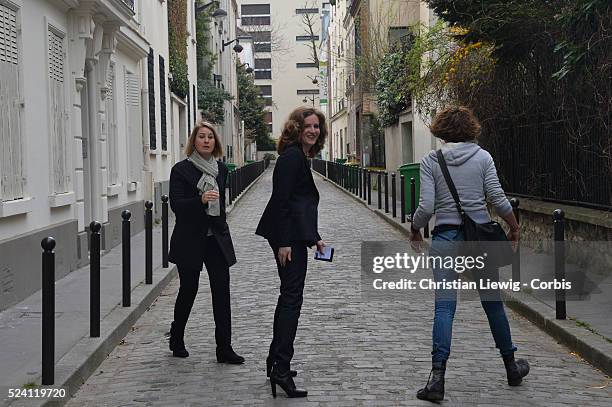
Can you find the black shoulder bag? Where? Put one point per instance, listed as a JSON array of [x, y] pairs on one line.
[[499, 254]]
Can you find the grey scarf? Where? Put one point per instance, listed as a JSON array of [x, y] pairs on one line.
[[208, 181]]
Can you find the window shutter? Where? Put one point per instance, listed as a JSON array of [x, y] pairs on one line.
[[151, 83], [11, 175], [134, 128], [57, 112], [162, 102], [111, 128]]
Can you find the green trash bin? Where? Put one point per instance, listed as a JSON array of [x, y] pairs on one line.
[[340, 160], [231, 166], [411, 170], [351, 182]]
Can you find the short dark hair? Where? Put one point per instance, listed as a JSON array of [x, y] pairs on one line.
[[455, 124], [294, 126]]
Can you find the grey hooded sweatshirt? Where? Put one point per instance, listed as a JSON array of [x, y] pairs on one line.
[[473, 172]]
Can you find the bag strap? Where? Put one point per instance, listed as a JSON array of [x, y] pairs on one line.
[[449, 181]]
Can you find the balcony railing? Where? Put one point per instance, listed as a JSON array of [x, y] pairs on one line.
[[129, 3]]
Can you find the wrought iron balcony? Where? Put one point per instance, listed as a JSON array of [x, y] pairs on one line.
[[129, 3]]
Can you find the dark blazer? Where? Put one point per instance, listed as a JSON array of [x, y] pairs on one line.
[[192, 222], [291, 214]]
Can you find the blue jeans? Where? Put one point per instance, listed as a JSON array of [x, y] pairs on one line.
[[446, 303]]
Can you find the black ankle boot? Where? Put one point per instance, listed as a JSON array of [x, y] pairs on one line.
[[227, 355], [176, 343], [515, 369], [434, 390], [293, 373], [285, 381]]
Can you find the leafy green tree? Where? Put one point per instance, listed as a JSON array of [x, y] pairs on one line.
[[252, 111], [211, 100]]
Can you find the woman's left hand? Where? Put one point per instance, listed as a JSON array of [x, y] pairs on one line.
[[416, 240], [320, 246]]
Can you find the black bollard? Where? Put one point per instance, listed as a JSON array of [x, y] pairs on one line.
[[426, 230], [229, 185], [516, 259], [94, 280], [559, 237], [365, 184], [48, 311], [393, 194], [369, 188], [164, 199], [379, 187], [403, 198], [386, 192], [126, 256], [148, 242], [412, 198]]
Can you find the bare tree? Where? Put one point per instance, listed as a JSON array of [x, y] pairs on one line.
[[309, 22]]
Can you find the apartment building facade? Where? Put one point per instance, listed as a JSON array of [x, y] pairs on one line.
[[87, 126], [285, 33]]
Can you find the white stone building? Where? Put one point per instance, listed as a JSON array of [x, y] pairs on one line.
[[88, 125]]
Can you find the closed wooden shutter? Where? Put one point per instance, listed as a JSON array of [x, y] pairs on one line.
[[151, 83], [11, 175], [111, 128], [134, 125], [57, 112]]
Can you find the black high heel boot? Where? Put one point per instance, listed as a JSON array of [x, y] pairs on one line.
[[227, 355], [434, 390], [176, 343], [515, 369], [285, 381], [293, 373]]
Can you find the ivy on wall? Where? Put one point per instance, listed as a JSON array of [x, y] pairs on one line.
[[177, 44]]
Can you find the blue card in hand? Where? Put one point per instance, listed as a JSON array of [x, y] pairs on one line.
[[326, 255]]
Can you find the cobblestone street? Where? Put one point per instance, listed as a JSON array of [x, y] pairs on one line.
[[349, 351]]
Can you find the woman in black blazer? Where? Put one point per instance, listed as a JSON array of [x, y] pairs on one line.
[[289, 222], [201, 235]]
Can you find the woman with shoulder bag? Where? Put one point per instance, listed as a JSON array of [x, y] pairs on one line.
[[461, 200], [289, 223], [201, 235]]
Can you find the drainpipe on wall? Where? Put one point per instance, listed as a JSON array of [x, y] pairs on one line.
[[147, 174]]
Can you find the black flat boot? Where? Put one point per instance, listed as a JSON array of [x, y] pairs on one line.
[[293, 373], [176, 343], [227, 355], [285, 381], [434, 390], [515, 369]]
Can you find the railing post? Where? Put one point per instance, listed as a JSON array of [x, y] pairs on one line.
[[559, 235], [48, 311], [364, 175], [94, 280], [379, 188], [426, 230], [412, 198], [126, 258], [393, 194], [516, 259], [386, 192], [231, 190], [402, 198], [369, 188], [148, 242], [164, 199]]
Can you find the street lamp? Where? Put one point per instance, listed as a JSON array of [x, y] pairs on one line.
[[248, 70], [314, 79], [237, 48], [311, 98], [217, 14]]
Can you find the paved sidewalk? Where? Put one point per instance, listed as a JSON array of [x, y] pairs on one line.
[[349, 351]]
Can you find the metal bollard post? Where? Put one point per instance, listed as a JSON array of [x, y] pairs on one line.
[[386, 192], [48, 311], [559, 235], [148, 242], [426, 230], [403, 198], [379, 189], [229, 185], [516, 259], [126, 256], [412, 198], [164, 199], [365, 184], [94, 280], [369, 188], [393, 194]]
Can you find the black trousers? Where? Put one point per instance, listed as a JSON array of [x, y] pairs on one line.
[[218, 275], [289, 304]]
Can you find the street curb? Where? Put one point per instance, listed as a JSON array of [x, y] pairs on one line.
[[83, 359], [588, 345]]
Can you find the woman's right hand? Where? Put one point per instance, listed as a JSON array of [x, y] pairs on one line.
[[284, 255], [514, 235], [209, 196]]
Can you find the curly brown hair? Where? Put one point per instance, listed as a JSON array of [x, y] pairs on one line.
[[455, 124], [295, 124]]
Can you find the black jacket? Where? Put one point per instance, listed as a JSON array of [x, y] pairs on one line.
[[291, 214], [192, 222]]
